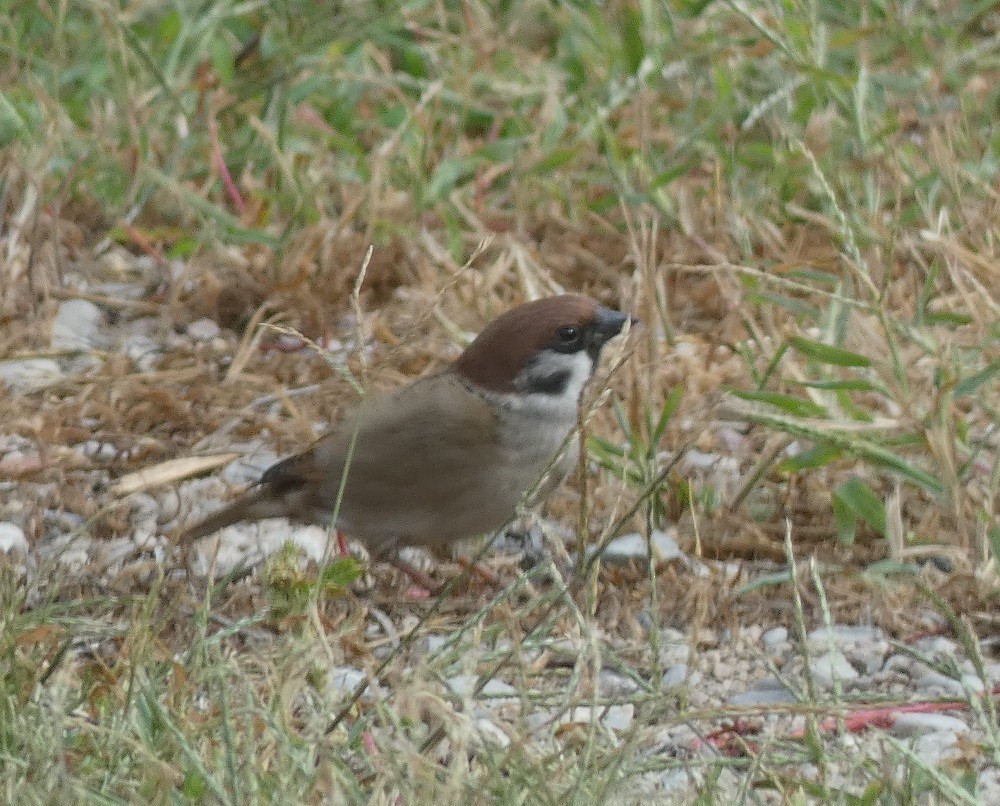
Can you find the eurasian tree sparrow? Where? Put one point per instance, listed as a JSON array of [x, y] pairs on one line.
[[450, 455]]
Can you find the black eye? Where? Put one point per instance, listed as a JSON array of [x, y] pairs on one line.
[[569, 335]]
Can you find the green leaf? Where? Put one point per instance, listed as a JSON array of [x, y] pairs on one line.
[[622, 419], [818, 456], [183, 247], [968, 386], [827, 353], [223, 59], [602, 448], [632, 42], [447, 175], [669, 407], [554, 131], [502, 150], [768, 581], [851, 385], [341, 572], [12, 124], [553, 160], [796, 306], [849, 443], [892, 567], [857, 500], [947, 318], [787, 403], [847, 523], [194, 786], [671, 174]]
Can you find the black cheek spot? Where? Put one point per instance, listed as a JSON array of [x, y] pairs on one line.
[[552, 384]]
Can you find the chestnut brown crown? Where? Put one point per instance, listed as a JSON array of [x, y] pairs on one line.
[[566, 325]]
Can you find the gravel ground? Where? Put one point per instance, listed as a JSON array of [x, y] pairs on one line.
[[732, 690]]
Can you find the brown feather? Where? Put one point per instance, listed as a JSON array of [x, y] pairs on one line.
[[442, 459]]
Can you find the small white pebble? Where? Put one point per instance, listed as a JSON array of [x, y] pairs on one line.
[[775, 637], [12, 538], [203, 330]]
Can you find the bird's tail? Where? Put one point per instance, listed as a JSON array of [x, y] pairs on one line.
[[255, 504]]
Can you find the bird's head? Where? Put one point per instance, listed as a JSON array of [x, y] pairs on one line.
[[543, 351]]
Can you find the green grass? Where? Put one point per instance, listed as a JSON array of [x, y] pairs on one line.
[[809, 189]]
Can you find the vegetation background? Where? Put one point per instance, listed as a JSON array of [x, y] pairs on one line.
[[799, 200]]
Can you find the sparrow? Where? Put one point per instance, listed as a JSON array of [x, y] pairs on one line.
[[452, 454]]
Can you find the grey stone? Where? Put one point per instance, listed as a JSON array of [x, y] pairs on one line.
[[675, 675], [768, 691], [937, 684], [613, 684], [923, 724]]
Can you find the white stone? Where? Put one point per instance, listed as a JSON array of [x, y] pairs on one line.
[[98, 451], [464, 685], [144, 351], [832, 666], [674, 648], [935, 749], [12, 538], [344, 681], [436, 642], [671, 781], [613, 717], [619, 717], [491, 733], [775, 638], [936, 645], [248, 469], [631, 547], [203, 330], [988, 785], [844, 636], [25, 375], [77, 325], [538, 721]]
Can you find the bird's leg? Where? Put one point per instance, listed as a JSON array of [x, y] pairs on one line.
[[426, 586], [342, 544], [480, 571]]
